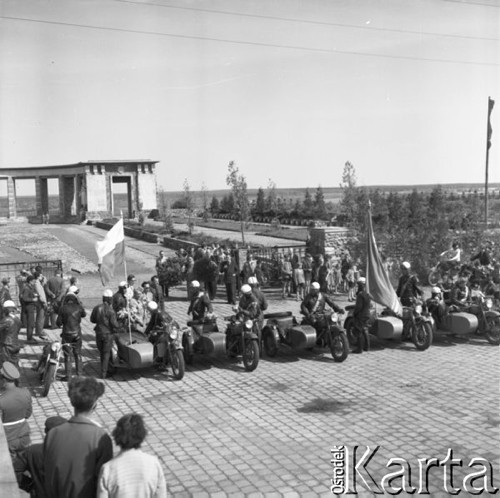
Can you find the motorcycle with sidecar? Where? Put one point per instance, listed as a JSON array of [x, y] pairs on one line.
[[163, 348], [414, 325], [323, 329], [203, 337], [242, 338], [477, 317]]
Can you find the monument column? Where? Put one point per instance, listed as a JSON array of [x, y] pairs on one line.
[[42, 196], [11, 195]]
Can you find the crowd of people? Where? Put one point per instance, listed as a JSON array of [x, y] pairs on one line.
[[75, 459]]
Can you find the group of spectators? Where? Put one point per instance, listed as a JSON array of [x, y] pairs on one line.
[[75, 459]]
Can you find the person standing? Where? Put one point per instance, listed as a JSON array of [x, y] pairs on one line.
[[74, 452], [106, 325], [132, 473], [307, 266], [21, 282], [54, 290], [157, 291], [229, 271], [41, 304], [361, 316], [212, 277], [70, 318], [15, 408], [30, 299], [4, 293], [10, 325]]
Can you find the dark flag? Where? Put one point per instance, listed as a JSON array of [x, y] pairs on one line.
[[378, 283], [491, 104]]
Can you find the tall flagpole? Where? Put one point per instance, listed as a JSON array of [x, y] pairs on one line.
[[126, 297], [491, 103]]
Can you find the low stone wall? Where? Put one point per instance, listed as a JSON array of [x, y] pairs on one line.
[[8, 482], [136, 233], [329, 241]]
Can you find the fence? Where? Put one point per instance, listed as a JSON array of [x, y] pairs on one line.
[[13, 270]]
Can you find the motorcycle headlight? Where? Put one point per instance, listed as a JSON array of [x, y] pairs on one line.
[[418, 309], [248, 324], [55, 346], [489, 303], [173, 334], [334, 317]]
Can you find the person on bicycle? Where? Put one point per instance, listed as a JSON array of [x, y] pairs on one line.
[[361, 316], [70, 319], [408, 290], [315, 302]]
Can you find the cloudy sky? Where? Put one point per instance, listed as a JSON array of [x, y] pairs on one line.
[[289, 89]]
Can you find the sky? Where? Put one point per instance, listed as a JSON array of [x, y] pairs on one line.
[[288, 89]]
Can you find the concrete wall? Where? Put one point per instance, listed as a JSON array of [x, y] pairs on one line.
[[329, 241]]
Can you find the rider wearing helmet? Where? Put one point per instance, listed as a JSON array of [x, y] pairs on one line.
[[315, 302], [106, 325], [10, 325], [436, 305], [248, 305], [200, 305], [408, 290]]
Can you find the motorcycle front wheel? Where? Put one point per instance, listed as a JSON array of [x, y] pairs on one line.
[[270, 344], [434, 277], [48, 378], [492, 331], [250, 355], [339, 347], [177, 364], [422, 335]]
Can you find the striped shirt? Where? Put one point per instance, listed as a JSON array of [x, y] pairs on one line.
[[132, 474]]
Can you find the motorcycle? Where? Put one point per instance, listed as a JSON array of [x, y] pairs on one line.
[[414, 325], [202, 337], [242, 338], [478, 316], [51, 362], [321, 329], [163, 347]]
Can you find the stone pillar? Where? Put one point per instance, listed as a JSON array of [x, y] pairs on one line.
[[146, 188], [61, 196], [11, 195], [42, 196]]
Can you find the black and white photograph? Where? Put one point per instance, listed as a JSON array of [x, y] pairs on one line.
[[249, 248]]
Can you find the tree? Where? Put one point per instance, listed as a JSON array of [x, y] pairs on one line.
[[319, 203], [271, 199], [214, 206], [227, 204], [260, 203], [188, 199], [204, 201], [308, 204], [238, 185]]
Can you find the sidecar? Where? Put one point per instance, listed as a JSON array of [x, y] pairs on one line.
[[457, 323], [136, 354], [381, 326], [283, 328], [203, 336]]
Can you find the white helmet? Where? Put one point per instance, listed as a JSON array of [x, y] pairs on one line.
[[406, 265], [122, 284], [107, 293], [195, 283], [436, 290], [361, 280], [73, 290], [246, 289], [252, 280], [315, 286], [152, 306], [9, 304]]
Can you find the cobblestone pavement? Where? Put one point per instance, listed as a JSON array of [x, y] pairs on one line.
[[222, 431]]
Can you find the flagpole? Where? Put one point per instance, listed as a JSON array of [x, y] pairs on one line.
[[491, 103], [126, 297]]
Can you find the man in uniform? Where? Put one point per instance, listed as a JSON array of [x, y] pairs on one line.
[[408, 290], [229, 271], [315, 302], [106, 325], [120, 302], [54, 290], [70, 318], [10, 325], [361, 315], [31, 301], [261, 298], [200, 305], [15, 408], [436, 306], [4, 293], [41, 305]]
